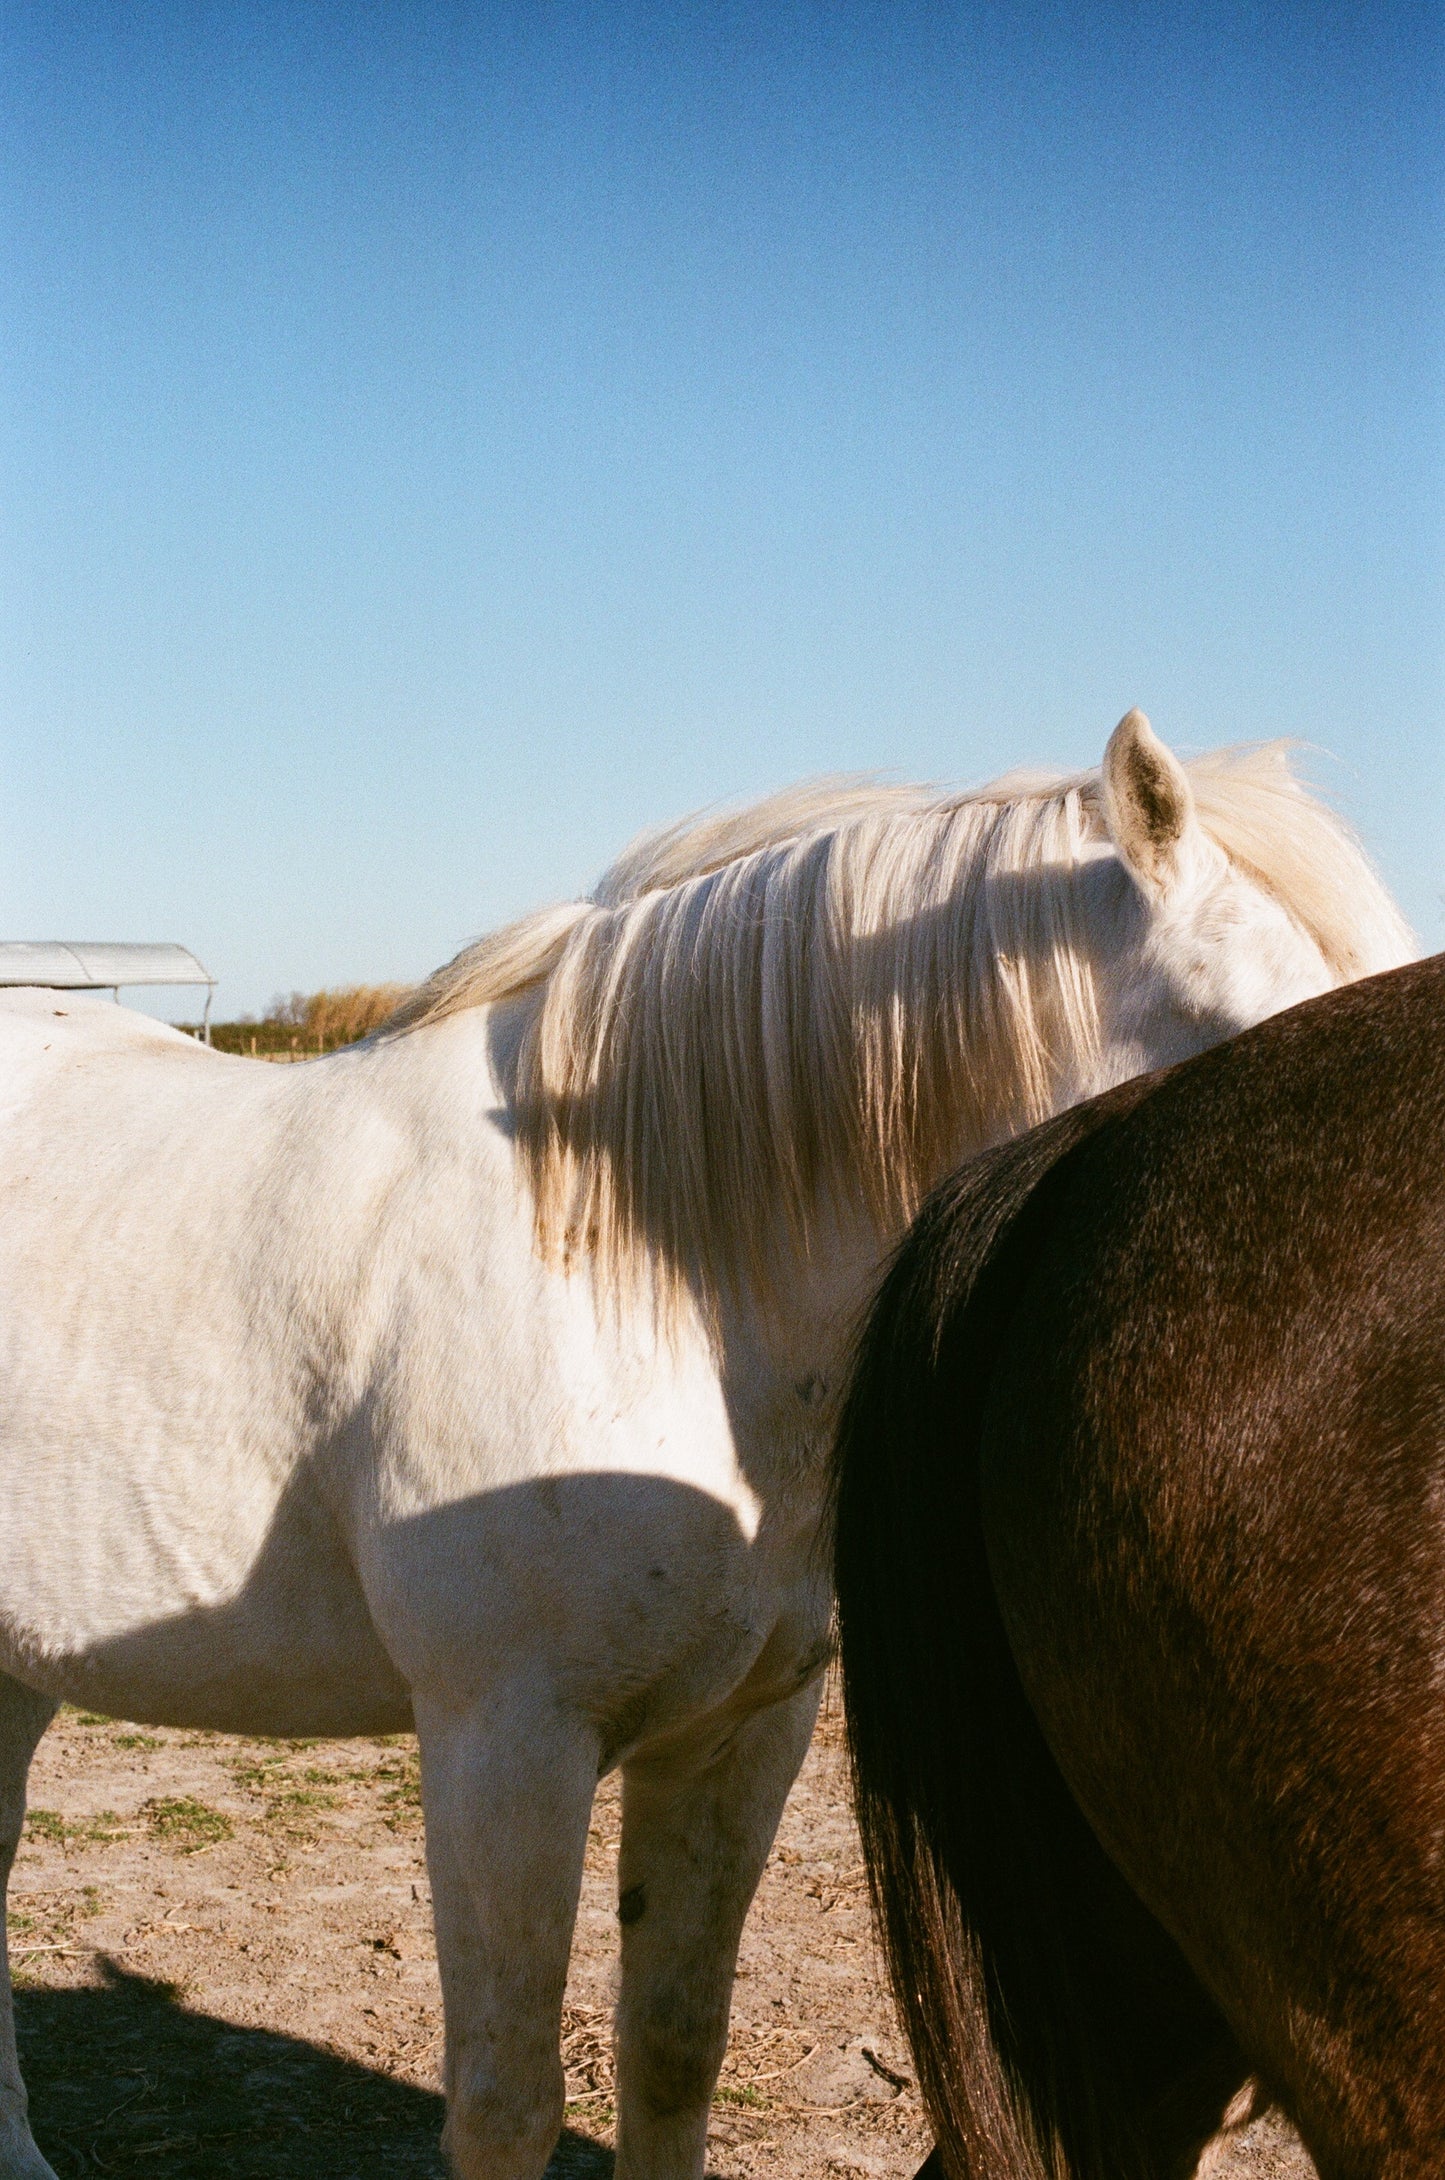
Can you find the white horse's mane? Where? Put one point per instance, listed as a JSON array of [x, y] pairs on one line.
[[846, 986]]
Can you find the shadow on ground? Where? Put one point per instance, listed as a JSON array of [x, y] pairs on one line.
[[125, 2080]]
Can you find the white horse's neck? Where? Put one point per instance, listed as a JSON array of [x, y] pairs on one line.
[[846, 1011]]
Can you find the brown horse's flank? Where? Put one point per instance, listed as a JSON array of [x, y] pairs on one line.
[[1139, 1543]]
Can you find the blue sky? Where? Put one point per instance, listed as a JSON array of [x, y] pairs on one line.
[[437, 441]]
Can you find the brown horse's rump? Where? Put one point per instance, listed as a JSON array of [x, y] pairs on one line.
[[1140, 1508]]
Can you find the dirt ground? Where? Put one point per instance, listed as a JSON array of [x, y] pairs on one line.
[[223, 1960]]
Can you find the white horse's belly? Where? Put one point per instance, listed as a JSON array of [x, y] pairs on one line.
[[288, 1649], [188, 1595]]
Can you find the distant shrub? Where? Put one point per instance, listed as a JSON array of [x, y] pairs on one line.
[[300, 1023]]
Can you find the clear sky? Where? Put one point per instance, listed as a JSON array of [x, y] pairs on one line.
[[438, 440]]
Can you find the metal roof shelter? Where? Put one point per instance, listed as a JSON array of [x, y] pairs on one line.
[[68, 965]]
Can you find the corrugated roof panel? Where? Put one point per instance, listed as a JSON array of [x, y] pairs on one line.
[[78, 965], [40, 962]]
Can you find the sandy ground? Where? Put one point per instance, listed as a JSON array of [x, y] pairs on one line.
[[223, 1960]]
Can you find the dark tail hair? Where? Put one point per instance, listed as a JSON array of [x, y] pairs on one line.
[[1023, 1968]]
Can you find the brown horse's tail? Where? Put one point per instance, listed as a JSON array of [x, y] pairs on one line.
[[1025, 1972]]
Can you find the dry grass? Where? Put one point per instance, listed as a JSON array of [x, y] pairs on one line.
[[331, 1018], [185, 1823]]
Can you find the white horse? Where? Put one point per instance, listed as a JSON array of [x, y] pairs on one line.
[[482, 1376]]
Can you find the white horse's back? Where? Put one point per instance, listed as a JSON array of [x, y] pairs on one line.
[[44, 1031]]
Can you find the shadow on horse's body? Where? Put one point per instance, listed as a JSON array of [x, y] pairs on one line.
[[1140, 1568]]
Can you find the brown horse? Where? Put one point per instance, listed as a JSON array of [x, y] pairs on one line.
[[1141, 1579]]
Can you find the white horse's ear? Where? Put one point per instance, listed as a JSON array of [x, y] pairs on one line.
[[1148, 807]]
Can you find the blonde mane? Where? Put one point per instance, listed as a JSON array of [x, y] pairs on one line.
[[843, 988]]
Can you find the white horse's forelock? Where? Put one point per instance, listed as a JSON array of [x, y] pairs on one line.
[[842, 987]]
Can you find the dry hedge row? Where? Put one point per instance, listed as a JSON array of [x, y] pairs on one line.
[[309, 1022]]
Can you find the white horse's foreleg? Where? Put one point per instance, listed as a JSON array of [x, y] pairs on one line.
[[24, 1717], [695, 1836], [507, 1787]]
